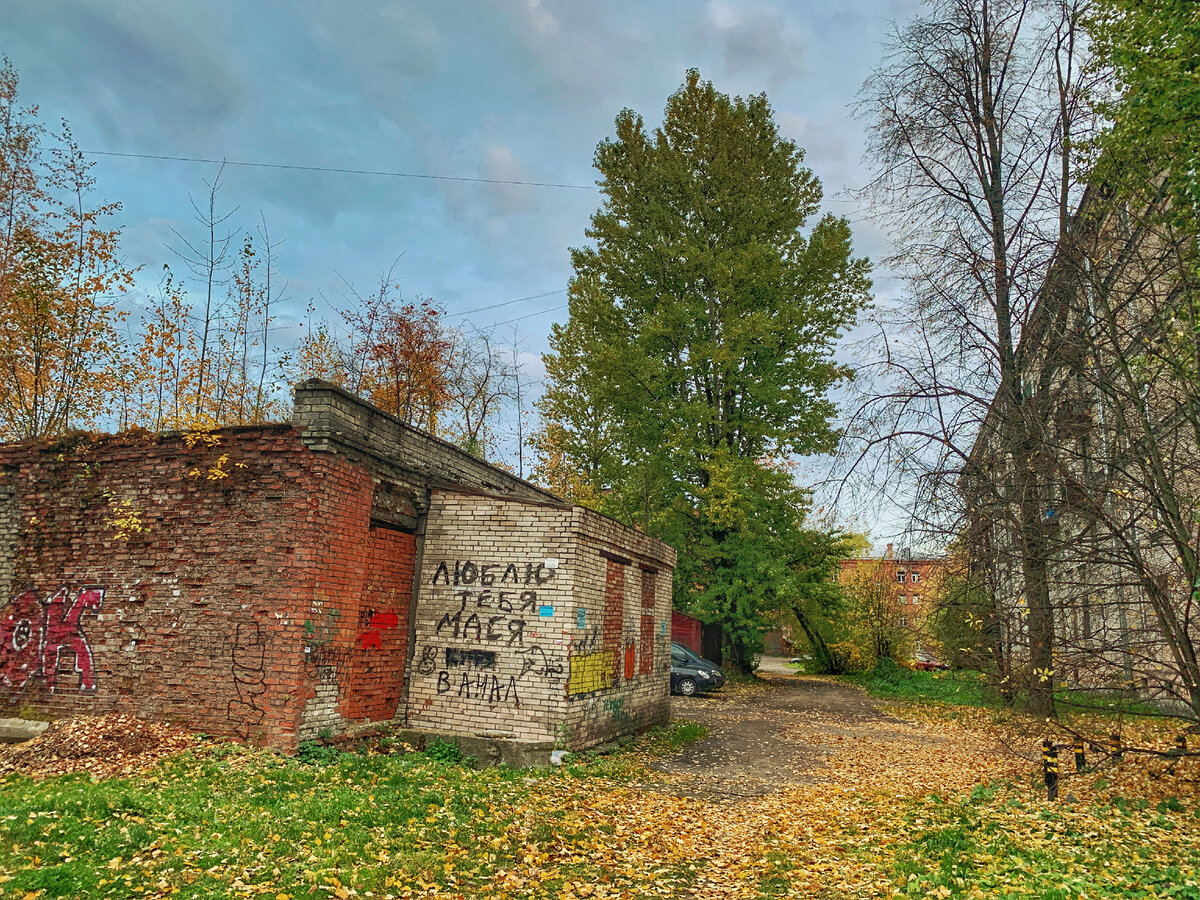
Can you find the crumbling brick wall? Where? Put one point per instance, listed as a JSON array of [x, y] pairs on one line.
[[208, 585], [259, 583]]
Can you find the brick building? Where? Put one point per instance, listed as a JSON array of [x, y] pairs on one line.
[[912, 581], [335, 574]]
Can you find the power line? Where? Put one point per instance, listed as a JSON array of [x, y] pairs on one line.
[[511, 302], [380, 172], [540, 312]]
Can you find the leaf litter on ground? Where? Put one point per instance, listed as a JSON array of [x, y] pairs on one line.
[[923, 802]]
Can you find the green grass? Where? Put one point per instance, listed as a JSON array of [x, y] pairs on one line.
[[1000, 839], [892, 682], [226, 821]]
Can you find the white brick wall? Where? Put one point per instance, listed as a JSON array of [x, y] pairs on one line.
[[505, 587]]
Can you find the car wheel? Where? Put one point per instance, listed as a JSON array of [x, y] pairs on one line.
[[686, 686]]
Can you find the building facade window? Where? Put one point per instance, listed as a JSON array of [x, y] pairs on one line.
[[900, 577], [916, 577]]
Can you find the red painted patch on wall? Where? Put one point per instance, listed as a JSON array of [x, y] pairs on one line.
[[385, 620]]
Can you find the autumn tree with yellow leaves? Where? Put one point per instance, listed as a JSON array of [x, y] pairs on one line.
[[59, 277]]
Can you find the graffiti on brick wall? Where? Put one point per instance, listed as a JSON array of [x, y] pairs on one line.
[[590, 672], [371, 623], [320, 631], [585, 642], [479, 628], [429, 659], [611, 651], [615, 707], [34, 633], [482, 686], [536, 661], [468, 572], [249, 654], [493, 608]]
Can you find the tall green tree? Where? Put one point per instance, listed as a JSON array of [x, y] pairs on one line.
[[698, 356], [1152, 52]]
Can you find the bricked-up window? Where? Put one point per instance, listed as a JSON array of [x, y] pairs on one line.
[[646, 636], [646, 662], [614, 608], [648, 588]]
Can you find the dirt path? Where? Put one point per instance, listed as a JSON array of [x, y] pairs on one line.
[[792, 766], [791, 730], [752, 746]]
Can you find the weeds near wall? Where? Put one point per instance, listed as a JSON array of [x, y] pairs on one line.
[[316, 753], [445, 752]]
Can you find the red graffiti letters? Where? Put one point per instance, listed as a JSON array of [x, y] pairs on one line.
[[21, 640], [35, 632]]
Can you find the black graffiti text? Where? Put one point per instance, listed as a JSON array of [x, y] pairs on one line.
[[483, 687], [468, 572], [471, 659], [483, 628]]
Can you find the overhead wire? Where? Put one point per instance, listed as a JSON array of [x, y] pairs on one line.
[[341, 171], [511, 302], [540, 312]]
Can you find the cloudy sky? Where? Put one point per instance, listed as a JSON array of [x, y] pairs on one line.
[[507, 90]]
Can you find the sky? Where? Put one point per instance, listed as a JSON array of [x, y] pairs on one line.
[[502, 90]]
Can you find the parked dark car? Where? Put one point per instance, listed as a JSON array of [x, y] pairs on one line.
[[692, 674]]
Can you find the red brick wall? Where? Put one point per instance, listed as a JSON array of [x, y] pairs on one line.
[[223, 602], [614, 608], [375, 679]]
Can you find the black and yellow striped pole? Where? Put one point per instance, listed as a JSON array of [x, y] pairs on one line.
[[1114, 746], [1080, 758], [1050, 768]]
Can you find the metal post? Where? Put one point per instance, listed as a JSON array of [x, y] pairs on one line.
[[1050, 768], [1114, 746], [1080, 758]]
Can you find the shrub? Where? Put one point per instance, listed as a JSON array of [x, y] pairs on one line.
[[848, 658]]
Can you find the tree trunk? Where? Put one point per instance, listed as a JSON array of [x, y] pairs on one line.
[[1041, 613], [819, 648]]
